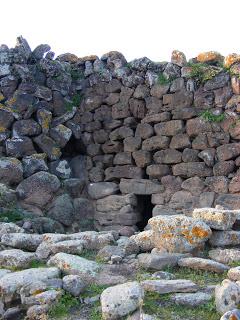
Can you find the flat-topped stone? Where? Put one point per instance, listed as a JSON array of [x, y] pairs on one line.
[[159, 261], [178, 233], [191, 299], [203, 264], [140, 186], [23, 241], [11, 283], [15, 258], [102, 189], [71, 264], [225, 238], [225, 255], [121, 300], [168, 286], [216, 218]]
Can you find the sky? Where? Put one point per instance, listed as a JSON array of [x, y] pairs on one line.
[[137, 28]]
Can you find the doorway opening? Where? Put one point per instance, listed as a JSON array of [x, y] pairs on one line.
[[145, 208]]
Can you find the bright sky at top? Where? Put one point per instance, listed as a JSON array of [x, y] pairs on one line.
[[137, 28]]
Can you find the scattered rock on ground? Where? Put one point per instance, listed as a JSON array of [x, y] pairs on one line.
[[121, 300], [203, 264]]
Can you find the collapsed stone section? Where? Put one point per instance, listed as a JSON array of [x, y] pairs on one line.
[[136, 132]]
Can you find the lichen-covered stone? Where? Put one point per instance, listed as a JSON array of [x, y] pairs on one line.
[[178, 233], [39, 188], [70, 264], [144, 240], [169, 286], [11, 170], [121, 300], [11, 283], [216, 218], [227, 296], [202, 264], [225, 256]]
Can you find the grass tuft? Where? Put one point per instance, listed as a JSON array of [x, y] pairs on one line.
[[161, 306], [203, 72], [162, 79], [88, 254], [93, 290], [200, 277], [75, 102], [63, 306], [37, 264], [210, 117]]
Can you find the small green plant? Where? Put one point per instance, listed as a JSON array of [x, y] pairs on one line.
[[37, 264], [142, 274], [75, 102], [95, 313], [76, 99], [200, 277], [93, 290], [88, 254], [202, 72], [63, 306], [211, 117], [163, 308], [12, 214], [234, 264], [76, 74], [162, 79], [128, 65]]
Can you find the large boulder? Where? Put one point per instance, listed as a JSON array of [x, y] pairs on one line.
[[23, 241], [168, 286], [203, 264], [11, 283], [228, 201], [227, 296], [225, 255], [191, 299], [11, 171], [38, 189], [102, 189], [19, 147], [140, 186], [225, 238], [144, 240], [14, 258], [159, 261], [178, 233], [71, 264], [62, 210], [121, 300], [216, 218]]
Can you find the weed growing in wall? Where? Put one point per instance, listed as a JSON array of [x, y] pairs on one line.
[[211, 117], [162, 79], [75, 102], [203, 72], [63, 306], [76, 74]]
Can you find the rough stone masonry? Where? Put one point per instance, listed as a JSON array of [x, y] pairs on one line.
[[105, 143]]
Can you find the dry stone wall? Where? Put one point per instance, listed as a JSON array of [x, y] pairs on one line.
[[110, 142]]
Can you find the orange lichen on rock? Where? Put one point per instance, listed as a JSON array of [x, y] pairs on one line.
[[210, 56], [199, 232], [231, 59], [178, 58], [178, 233], [66, 265]]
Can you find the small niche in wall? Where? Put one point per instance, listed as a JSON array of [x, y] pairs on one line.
[[73, 148], [145, 208]]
